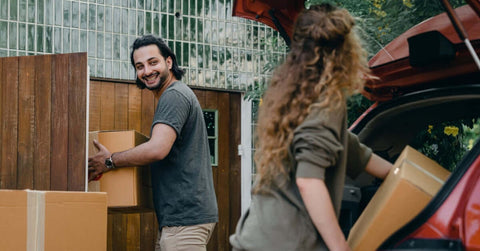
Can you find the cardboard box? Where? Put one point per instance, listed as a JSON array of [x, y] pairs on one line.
[[126, 186], [409, 186], [53, 221]]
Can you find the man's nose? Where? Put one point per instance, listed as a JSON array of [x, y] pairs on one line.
[[148, 70]]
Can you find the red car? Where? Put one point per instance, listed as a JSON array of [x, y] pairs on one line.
[[427, 77]]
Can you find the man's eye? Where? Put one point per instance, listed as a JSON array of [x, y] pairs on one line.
[[139, 67]]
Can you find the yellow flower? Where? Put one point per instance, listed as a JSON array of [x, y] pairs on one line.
[[470, 144], [261, 101], [378, 3], [380, 13], [451, 130], [429, 130], [408, 3]]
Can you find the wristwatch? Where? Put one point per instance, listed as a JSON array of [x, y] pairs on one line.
[[109, 163]]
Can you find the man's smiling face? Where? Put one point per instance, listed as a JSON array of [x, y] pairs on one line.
[[151, 67]]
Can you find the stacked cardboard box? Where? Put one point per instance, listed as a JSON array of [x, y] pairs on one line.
[[410, 185], [53, 221], [127, 186]]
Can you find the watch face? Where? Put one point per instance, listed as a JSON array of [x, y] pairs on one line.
[[108, 163]]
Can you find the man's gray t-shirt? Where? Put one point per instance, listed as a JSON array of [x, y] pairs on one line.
[[183, 191]]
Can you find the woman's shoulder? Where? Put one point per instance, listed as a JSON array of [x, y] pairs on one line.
[[326, 115]]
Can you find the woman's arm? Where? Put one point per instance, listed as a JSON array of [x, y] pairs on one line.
[[319, 206], [378, 166]]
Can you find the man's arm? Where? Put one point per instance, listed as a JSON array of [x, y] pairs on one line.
[[157, 148]]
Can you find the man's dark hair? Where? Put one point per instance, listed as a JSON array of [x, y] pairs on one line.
[[165, 51]]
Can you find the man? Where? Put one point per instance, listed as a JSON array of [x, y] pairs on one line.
[[177, 152]]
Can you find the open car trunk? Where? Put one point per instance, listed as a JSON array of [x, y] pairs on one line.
[[427, 78]]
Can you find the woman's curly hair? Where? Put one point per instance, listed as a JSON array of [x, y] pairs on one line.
[[325, 65]]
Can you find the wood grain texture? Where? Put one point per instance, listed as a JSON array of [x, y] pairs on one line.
[[10, 82], [119, 235], [148, 110], [223, 180], [134, 108], [107, 106], [3, 79], [60, 124], [43, 121], [95, 106], [148, 231], [26, 124], [77, 103], [121, 107], [133, 231], [235, 162]]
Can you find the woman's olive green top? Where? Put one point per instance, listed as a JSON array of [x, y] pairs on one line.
[[322, 148]]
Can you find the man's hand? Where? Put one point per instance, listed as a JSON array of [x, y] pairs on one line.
[[96, 163]]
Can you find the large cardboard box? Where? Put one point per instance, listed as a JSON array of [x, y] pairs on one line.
[[409, 186], [53, 221], [126, 186]]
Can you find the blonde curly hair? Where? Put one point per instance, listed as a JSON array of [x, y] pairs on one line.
[[325, 65]]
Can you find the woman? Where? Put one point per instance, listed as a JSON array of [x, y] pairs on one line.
[[304, 147]]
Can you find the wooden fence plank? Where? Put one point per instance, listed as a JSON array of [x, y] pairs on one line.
[[211, 100], [200, 96], [121, 107], [119, 242], [148, 231], [3, 79], [107, 110], [110, 228], [148, 110], [8, 178], [133, 231], [43, 97], [234, 165], [77, 121], [26, 123], [134, 108], [60, 124], [223, 194], [95, 105]]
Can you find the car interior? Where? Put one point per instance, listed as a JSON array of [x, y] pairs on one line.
[[392, 125]]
